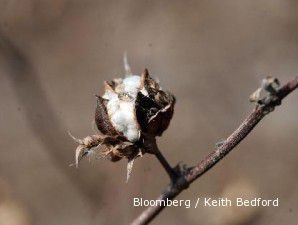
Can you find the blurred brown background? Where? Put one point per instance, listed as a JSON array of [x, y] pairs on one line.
[[55, 55]]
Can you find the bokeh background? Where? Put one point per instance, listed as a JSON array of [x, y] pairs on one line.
[[55, 55]]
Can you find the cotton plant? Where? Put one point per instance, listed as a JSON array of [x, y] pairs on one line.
[[134, 110], [129, 115]]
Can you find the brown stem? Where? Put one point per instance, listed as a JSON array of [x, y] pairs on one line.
[[214, 157], [150, 146], [171, 172]]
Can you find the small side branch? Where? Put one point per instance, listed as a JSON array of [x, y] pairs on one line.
[[170, 171], [214, 157], [150, 146]]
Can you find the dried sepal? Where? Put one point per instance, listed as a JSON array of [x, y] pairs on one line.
[[145, 109], [158, 123], [148, 82], [144, 79], [129, 168], [112, 148], [154, 111], [102, 119], [81, 152], [85, 145], [130, 163], [109, 86], [77, 140], [127, 68]]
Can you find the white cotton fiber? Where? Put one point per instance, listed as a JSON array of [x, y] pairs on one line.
[[132, 85], [124, 120], [122, 111]]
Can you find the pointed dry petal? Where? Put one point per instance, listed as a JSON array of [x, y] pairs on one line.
[[108, 87], [102, 119], [129, 168], [126, 66], [77, 140], [80, 153], [144, 79]]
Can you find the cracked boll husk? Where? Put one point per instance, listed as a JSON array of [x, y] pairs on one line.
[[134, 106]]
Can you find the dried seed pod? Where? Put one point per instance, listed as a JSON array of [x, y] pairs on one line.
[[131, 111], [133, 107]]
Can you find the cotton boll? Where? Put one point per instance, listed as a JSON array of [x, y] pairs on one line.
[[130, 114], [121, 105]]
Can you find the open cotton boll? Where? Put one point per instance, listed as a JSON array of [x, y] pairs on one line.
[[129, 115], [121, 106]]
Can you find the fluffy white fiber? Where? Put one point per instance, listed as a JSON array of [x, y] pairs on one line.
[[122, 111], [132, 85]]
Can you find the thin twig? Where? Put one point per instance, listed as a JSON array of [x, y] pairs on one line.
[[170, 171], [150, 146], [214, 157]]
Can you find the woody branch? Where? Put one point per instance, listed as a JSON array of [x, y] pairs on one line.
[[214, 157]]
